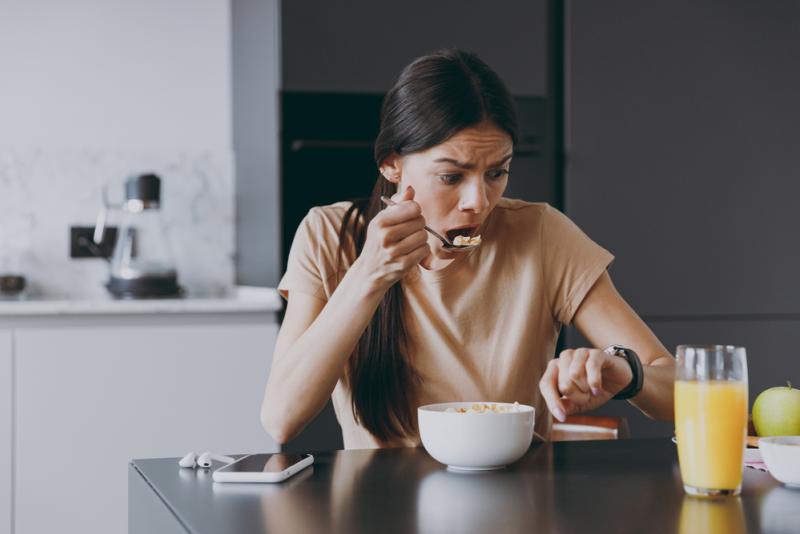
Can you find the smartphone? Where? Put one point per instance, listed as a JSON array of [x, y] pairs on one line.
[[263, 468]]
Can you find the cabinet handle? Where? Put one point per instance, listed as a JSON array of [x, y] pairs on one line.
[[302, 144]]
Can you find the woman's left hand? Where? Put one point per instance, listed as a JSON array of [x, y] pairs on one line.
[[580, 380]]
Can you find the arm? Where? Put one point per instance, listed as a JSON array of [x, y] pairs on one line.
[[317, 337], [310, 354], [583, 379]]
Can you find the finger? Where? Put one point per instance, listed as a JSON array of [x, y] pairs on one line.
[[414, 257], [565, 385], [408, 244], [405, 194], [577, 370], [420, 253], [594, 371], [570, 407], [397, 232], [400, 212], [548, 386]]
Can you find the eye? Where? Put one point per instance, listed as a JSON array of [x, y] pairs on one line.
[[449, 179], [496, 174]]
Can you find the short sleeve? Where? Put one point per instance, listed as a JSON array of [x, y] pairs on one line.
[[312, 257], [572, 264]]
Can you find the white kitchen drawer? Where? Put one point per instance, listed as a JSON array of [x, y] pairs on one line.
[[6, 427], [89, 399]]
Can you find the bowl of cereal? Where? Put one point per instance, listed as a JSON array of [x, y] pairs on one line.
[[476, 436]]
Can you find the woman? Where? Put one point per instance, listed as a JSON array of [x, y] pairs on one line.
[[384, 319]]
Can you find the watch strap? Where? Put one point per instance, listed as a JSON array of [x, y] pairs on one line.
[[637, 380]]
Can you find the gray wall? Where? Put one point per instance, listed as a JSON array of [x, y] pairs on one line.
[[115, 75], [362, 45], [256, 81], [681, 160]]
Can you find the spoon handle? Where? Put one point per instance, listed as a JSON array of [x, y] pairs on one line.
[[389, 202]]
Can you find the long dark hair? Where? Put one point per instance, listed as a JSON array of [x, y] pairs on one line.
[[435, 97]]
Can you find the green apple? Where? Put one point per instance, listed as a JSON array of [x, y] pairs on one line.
[[776, 412]]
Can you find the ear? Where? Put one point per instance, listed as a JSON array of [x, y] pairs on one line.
[[391, 168]]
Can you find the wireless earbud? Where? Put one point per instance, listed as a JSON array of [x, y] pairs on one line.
[[204, 460], [189, 460]]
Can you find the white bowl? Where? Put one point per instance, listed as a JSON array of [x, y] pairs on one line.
[[475, 441], [782, 456]]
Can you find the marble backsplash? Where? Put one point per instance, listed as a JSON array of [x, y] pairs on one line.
[[45, 192]]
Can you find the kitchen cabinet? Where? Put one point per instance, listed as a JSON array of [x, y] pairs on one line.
[[771, 345], [342, 47], [682, 161], [94, 394], [681, 127], [6, 427]]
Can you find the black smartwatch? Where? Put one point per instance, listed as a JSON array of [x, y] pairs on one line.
[[635, 386]]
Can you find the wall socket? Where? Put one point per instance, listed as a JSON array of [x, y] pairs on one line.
[[82, 246]]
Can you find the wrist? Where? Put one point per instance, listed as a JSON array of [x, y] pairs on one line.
[[364, 284], [634, 386]]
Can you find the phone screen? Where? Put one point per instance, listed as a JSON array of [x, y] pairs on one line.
[[265, 463]]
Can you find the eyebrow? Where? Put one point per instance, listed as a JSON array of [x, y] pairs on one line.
[[470, 166]]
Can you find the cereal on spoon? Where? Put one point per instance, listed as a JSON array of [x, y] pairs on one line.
[[466, 241]]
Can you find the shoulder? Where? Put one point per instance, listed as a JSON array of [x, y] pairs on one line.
[[321, 232], [513, 214], [323, 223], [330, 215], [532, 214], [521, 209], [538, 225]]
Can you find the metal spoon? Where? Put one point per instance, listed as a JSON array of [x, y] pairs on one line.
[[445, 242]]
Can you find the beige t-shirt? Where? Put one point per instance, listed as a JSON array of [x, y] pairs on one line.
[[482, 328]]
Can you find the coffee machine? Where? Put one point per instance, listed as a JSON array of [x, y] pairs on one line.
[[141, 265]]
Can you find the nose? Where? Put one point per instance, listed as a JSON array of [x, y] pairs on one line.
[[474, 197]]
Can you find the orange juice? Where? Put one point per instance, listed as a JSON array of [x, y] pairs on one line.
[[711, 429]]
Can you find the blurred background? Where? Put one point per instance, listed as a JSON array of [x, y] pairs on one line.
[[666, 130]]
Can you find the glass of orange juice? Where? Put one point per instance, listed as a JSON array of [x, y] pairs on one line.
[[711, 418]]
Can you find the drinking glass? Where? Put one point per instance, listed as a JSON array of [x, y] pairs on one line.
[[711, 418]]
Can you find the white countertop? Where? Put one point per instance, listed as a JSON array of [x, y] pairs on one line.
[[240, 299]]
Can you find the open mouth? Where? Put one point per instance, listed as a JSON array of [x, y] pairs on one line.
[[465, 231]]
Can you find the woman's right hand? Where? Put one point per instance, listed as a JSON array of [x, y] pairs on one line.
[[396, 242]]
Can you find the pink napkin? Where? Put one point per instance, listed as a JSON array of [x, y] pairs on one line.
[[752, 459]]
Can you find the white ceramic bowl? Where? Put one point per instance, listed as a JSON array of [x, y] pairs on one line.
[[475, 441], [782, 456]]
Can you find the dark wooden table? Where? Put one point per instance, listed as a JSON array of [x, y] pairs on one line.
[[591, 486]]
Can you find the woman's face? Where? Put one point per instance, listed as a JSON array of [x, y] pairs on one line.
[[458, 182]]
